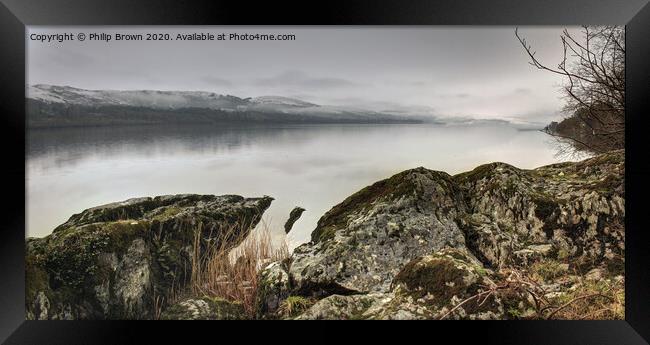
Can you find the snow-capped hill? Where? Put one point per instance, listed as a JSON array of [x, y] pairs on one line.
[[186, 99], [63, 94], [138, 98], [161, 99], [52, 105], [282, 101]]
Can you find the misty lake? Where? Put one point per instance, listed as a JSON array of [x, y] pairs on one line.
[[312, 166]]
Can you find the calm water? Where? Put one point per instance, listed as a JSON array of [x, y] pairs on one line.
[[315, 167]]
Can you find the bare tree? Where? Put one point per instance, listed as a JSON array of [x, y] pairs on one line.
[[593, 67]]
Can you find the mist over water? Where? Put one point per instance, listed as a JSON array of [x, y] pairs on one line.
[[312, 166]]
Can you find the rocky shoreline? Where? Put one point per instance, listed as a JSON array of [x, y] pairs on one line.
[[496, 242]]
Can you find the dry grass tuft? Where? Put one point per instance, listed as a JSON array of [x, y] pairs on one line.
[[231, 273], [294, 305], [599, 300]]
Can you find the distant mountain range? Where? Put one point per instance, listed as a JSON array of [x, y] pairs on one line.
[[55, 106], [64, 106]]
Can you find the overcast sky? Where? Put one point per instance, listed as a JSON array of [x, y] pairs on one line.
[[479, 72]]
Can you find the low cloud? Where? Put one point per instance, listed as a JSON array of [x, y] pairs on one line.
[[300, 79], [71, 59], [215, 81]]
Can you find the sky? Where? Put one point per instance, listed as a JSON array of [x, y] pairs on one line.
[[476, 72]]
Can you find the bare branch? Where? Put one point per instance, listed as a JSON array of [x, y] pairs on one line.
[[593, 68]]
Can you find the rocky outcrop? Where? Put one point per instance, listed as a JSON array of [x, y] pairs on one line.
[[115, 261], [424, 244], [578, 208], [360, 245], [496, 242], [423, 289], [294, 215]]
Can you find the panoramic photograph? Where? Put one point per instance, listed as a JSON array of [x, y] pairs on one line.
[[308, 173]]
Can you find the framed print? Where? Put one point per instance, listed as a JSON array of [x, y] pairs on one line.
[[431, 161]]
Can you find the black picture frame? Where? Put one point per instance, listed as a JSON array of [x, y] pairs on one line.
[[16, 14]]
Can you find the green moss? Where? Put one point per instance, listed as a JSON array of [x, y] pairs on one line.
[[481, 270], [440, 277], [111, 214], [514, 313], [217, 309], [548, 269], [226, 309], [608, 186], [62, 267], [324, 234], [337, 217], [478, 173], [122, 233], [389, 189], [168, 212], [71, 257]]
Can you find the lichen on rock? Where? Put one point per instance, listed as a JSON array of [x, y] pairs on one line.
[[109, 262], [205, 308], [576, 207], [496, 242], [422, 244], [273, 287], [360, 244]]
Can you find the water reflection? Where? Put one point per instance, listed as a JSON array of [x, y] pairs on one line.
[[313, 166]]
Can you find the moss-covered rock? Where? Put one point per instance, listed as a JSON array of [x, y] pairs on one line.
[[420, 244], [441, 276], [273, 287], [341, 307], [577, 207], [109, 262], [205, 308], [360, 244], [447, 282], [426, 288]]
